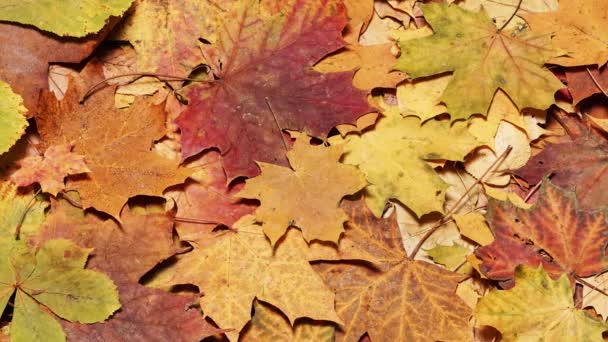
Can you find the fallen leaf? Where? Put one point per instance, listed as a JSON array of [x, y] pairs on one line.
[[359, 13], [14, 211], [576, 28], [393, 155], [12, 118], [554, 233], [581, 85], [373, 65], [240, 265], [52, 278], [473, 226], [58, 162], [364, 295], [451, 256], [244, 112], [146, 313], [65, 18], [538, 308], [502, 10], [268, 324], [165, 34], [118, 150], [307, 197], [27, 51], [477, 55], [576, 164]]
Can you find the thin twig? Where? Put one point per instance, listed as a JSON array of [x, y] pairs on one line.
[[28, 207], [591, 286], [194, 220], [511, 17], [139, 75], [597, 84], [71, 201], [532, 191], [449, 214]]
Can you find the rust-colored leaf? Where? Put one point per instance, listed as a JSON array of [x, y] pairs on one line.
[[58, 162], [401, 300], [554, 233], [582, 85], [578, 164], [263, 61], [116, 143]]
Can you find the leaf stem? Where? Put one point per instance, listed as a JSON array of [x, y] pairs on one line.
[[94, 88], [511, 17], [28, 207], [448, 216]]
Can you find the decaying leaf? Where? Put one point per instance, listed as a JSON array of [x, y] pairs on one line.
[[116, 143], [482, 60], [538, 308], [263, 59], [554, 233], [393, 157], [236, 267], [307, 197], [12, 118], [58, 162]]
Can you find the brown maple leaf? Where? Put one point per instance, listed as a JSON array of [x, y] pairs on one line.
[[578, 164], [58, 162], [554, 233], [120, 252], [263, 61], [116, 143], [25, 54], [582, 85], [399, 299]]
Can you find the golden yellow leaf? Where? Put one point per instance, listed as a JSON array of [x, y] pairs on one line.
[[307, 197]]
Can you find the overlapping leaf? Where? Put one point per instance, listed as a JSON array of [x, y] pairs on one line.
[[12, 118], [482, 59], [393, 155], [320, 182], [116, 143], [554, 233], [263, 61]]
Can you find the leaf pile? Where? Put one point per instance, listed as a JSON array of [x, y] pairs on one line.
[[303, 170]]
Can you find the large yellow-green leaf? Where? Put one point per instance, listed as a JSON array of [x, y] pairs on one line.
[[482, 60], [52, 278], [64, 17], [12, 118], [538, 308], [393, 155]]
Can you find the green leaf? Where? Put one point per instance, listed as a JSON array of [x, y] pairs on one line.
[[64, 17], [482, 60], [538, 308], [13, 205], [52, 279], [12, 118]]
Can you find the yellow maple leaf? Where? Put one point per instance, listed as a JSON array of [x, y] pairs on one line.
[[483, 59], [235, 267], [307, 197], [393, 157], [538, 308]]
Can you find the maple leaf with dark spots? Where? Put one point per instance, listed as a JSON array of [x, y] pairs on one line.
[[263, 61]]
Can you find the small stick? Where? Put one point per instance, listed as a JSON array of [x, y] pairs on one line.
[[27, 209], [532, 191], [449, 214], [591, 286], [92, 89], [511, 17]]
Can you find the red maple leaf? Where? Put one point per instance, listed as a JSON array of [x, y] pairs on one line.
[[263, 64]]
